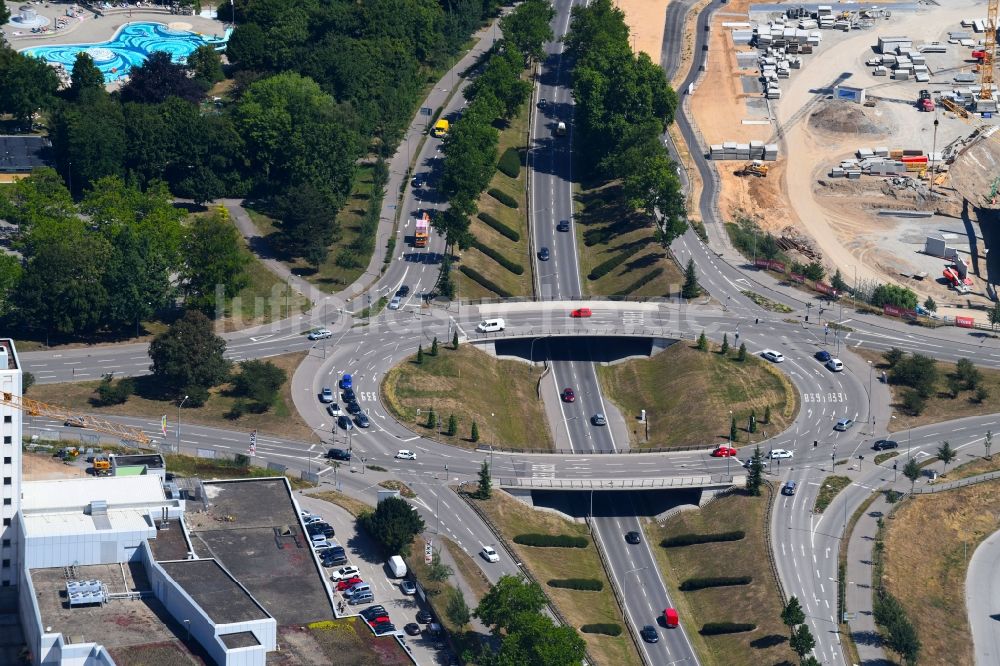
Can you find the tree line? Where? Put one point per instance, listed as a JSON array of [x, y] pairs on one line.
[[623, 104]]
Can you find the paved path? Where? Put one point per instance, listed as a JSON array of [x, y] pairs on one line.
[[982, 600]]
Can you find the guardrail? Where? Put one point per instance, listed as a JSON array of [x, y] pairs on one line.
[[502, 542], [544, 483], [767, 540], [960, 483], [568, 452], [476, 336]]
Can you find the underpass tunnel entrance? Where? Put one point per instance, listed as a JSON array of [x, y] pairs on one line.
[[597, 349], [614, 503]]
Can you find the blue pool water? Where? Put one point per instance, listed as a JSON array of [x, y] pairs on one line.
[[129, 48]]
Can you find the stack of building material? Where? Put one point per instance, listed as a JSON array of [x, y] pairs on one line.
[[756, 150], [742, 37], [889, 44], [863, 153], [934, 47], [716, 152], [881, 151], [743, 151], [770, 151], [958, 35]]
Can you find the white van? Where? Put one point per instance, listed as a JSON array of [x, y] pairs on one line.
[[491, 325], [397, 566]]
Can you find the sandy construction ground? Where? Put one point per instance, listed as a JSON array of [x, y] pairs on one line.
[[42, 466], [645, 19]]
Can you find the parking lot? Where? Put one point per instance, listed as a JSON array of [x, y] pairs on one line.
[[363, 553]]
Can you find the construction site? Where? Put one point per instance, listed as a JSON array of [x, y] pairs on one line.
[[862, 138]]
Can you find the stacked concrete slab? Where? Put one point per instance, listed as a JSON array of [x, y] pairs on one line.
[[754, 150]]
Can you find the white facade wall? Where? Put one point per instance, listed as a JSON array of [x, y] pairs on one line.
[[105, 547], [10, 468]]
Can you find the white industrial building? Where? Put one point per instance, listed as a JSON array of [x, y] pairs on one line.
[[10, 430]]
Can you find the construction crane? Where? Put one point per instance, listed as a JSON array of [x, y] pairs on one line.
[[37, 408], [989, 51]]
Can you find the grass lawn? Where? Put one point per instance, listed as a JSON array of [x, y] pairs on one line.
[[221, 468], [347, 641], [973, 467], [606, 227], [688, 394], [500, 396], [926, 562], [281, 419], [348, 503], [758, 602], [577, 606], [329, 276], [514, 136], [940, 405], [831, 486]]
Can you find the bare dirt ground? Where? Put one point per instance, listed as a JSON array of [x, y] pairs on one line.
[[645, 19], [42, 466]]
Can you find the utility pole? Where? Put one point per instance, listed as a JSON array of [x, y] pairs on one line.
[[179, 423]]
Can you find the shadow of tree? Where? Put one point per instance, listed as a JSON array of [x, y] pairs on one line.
[[769, 641]]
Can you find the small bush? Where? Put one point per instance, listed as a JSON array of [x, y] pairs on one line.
[[692, 584], [551, 540], [510, 163], [110, 393], [589, 584], [607, 629], [500, 227], [691, 539], [597, 235], [641, 282], [515, 268], [484, 281], [502, 197], [602, 269], [717, 628]]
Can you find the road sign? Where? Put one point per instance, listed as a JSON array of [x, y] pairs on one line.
[[849, 616], [426, 111], [428, 552]]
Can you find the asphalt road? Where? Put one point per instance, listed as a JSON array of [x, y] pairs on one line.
[[982, 599]]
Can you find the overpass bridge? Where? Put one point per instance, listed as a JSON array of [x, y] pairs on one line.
[[688, 482]]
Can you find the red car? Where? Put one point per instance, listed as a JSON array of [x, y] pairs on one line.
[[724, 452], [581, 312], [347, 583], [378, 620], [568, 395]]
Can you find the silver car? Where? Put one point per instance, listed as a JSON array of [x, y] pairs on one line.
[[598, 419]]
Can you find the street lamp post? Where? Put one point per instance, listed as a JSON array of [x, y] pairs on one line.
[[870, 415], [179, 423]]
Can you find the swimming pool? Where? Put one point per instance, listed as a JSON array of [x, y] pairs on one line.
[[129, 48]]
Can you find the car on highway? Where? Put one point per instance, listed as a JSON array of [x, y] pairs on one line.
[[395, 303], [563, 225], [345, 572], [649, 634], [424, 616], [362, 420], [542, 103], [749, 461], [333, 410], [348, 583], [843, 424], [74, 422], [835, 365], [403, 291], [581, 313], [353, 407], [338, 454], [788, 488], [778, 454], [823, 356], [544, 254], [724, 452], [885, 444], [773, 356], [403, 454], [489, 554], [568, 395], [344, 421], [326, 395], [599, 419], [346, 382], [408, 587], [412, 629], [633, 538], [320, 334]]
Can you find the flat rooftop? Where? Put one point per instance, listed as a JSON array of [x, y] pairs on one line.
[[252, 529], [169, 543], [115, 624], [8, 344], [21, 154], [221, 597], [150, 460], [78, 493]]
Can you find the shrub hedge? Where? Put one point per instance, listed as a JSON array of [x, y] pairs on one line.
[[716, 628], [718, 581], [502, 197], [515, 268], [589, 584], [602, 269], [476, 276], [691, 539], [510, 163], [641, 282], [500, 227], [551, 540], [606, 629]]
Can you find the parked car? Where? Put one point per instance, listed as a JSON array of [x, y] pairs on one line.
[[348, 583], [321, 543], [773, 356], [362, 421], [843, 424], [835, 365], [568, 395], [649, 634], [788, 488], [424, 616], [335, 556], [412, 629], [374, 622], [384, 628], [749, 461], [885, 444], [344, 422], [633, 538], [326, 395], [598, 419], [581, 313], [324, 529], [408, 587], [489, 554], [395, 303], [404, 454], [823, 356], [778, 454], [320, 334], [724, 452], [374, 611]]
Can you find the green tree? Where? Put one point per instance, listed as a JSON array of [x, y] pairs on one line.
[[955, 386], [903, 640], [111, 393], [809, 661], [528, 27], [767, 414], [29, 85], [457, 610], [893, 356], [215, 260], [4, 14], [261, 382], [485, 490], [988, 442], [802, 641], [968, 374], [508, 600], [914, 402], [733, 433], [946, 454], [189, 355], [158, 78], [994, 315], [702, 342], [538, 640], [86, 76], [814, 271], [420, 354], [930, 305], [742, 353], [691, 289], [27, 381], [454, 339], [393, 524], [88, 140], [891, 294], [792, 614], [837, 282], [308, 215], [10, 274], [724, 349], [752, 422], [452, 426], [474, 435], [912, 471], [438, 571], [434, 346], [431, 419], [917, 371], [206, 64], [755, 477]]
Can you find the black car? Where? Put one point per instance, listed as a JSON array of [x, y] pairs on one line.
[[649, 634], [544, 254], [412, 629], [633, 537], [383, 628], [353, 408], [563, 226], [349, 395], [361, 420], [424, 616], [373, 611], [344, 422], [884, 444], [321, 528], [334, 556], [338, 454], [403, 291]]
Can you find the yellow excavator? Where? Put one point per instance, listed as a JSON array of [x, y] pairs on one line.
[[755, 168]]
